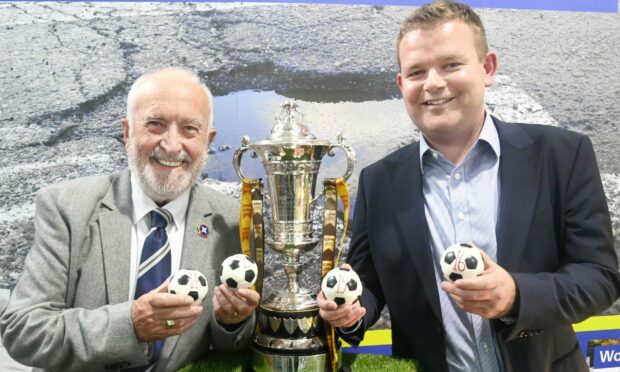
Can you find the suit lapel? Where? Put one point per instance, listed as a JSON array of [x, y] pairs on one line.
[[115, 225], [406, 179], [195, 247], [519, 179]]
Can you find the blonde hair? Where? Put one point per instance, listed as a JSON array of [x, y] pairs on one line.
[[437, 12]]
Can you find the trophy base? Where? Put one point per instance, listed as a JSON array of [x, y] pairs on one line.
[[289, 341], [267, 362]]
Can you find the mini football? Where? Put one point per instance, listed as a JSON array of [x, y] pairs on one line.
[[460, 261], [238, 271], [189, 283], [341, 285]]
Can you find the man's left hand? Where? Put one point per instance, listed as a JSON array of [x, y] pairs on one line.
[[233, 306], [491, 294]]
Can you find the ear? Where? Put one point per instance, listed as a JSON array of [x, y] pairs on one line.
[[125, 124], [399, 81], [490, 68], [211, 135]]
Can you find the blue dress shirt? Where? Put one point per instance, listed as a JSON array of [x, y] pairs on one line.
[[461, 205]]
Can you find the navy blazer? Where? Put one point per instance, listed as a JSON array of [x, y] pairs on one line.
[[554, 237]]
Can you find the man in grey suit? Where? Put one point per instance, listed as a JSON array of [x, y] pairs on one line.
[[78, 305]]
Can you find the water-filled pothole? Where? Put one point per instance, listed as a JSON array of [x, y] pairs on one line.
[[372, 128]]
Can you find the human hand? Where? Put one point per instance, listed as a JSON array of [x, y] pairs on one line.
[[345, 315], [233, 306], [159, 314], [491, 294]]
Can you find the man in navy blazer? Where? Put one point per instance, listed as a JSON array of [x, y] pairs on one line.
[[529, 196]]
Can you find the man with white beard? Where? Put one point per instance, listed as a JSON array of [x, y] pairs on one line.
[[94, 291]]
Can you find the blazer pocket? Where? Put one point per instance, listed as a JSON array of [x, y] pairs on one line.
[[573, 361]]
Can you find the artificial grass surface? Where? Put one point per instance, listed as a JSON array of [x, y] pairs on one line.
[[235, 362]]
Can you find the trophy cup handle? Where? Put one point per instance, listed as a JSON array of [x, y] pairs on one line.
[[351, 160], [245, 145], [348, 151]]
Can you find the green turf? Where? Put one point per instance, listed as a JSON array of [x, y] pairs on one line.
[[374, 363], [234, 362]]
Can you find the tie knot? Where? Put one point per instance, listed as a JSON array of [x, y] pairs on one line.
[[160, 218]]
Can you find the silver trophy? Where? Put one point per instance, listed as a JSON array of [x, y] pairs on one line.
[[290, 335]]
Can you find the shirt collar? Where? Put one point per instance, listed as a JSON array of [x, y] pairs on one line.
[[488, 134], [143, 205]]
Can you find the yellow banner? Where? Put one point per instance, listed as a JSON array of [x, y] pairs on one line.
[[595, 323]]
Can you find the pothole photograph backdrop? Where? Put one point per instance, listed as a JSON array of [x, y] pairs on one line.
[[66, 68]]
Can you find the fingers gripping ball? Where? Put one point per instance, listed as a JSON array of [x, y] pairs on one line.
[[342, 286], [461, 261], [189, 283], [238, 271]]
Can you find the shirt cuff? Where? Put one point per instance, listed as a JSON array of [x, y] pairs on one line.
[[352, 329], [508, 320], [147, 349], [232, 327]]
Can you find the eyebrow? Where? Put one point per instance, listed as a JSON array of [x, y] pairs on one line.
[[443, 59], [193, 122], [451, 57], [161, 117], [155, 116]]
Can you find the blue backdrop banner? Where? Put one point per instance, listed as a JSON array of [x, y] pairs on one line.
[[600, 6], [603, 6]]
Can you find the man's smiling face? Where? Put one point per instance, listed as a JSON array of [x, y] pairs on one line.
[[167, 140], [443, 78]]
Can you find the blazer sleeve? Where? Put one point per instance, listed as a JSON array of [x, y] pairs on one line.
[[220, 338], [587, 280], [224, 340], [38, 327], [361, 260]]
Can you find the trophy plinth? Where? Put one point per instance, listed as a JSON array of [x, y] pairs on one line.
[[290, 334]]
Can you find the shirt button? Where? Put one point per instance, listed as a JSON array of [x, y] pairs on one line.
[[461, 215], [435, 155], [485, 347], [457, 175]]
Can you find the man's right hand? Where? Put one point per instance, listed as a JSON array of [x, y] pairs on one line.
[[344, 315], [151, 312]]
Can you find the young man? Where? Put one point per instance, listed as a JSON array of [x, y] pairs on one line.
[[93, 293], [529, 196]]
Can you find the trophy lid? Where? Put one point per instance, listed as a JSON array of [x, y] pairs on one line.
[[290, 128]]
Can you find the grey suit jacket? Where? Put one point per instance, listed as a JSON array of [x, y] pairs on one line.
[[70, 309]]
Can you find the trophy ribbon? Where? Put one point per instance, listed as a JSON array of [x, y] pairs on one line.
[[259, 231], [343, 193], [333, 189], [329, 225], [251, 217], [245, 217]]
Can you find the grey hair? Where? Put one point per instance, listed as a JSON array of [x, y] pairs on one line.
[[190, 75]]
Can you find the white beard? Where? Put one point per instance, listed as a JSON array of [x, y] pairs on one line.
[[163, 186]]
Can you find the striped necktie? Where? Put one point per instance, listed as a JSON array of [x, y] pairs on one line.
[[155, 263]]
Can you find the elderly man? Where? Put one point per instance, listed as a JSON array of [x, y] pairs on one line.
[[93, 293], [529, 196]]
